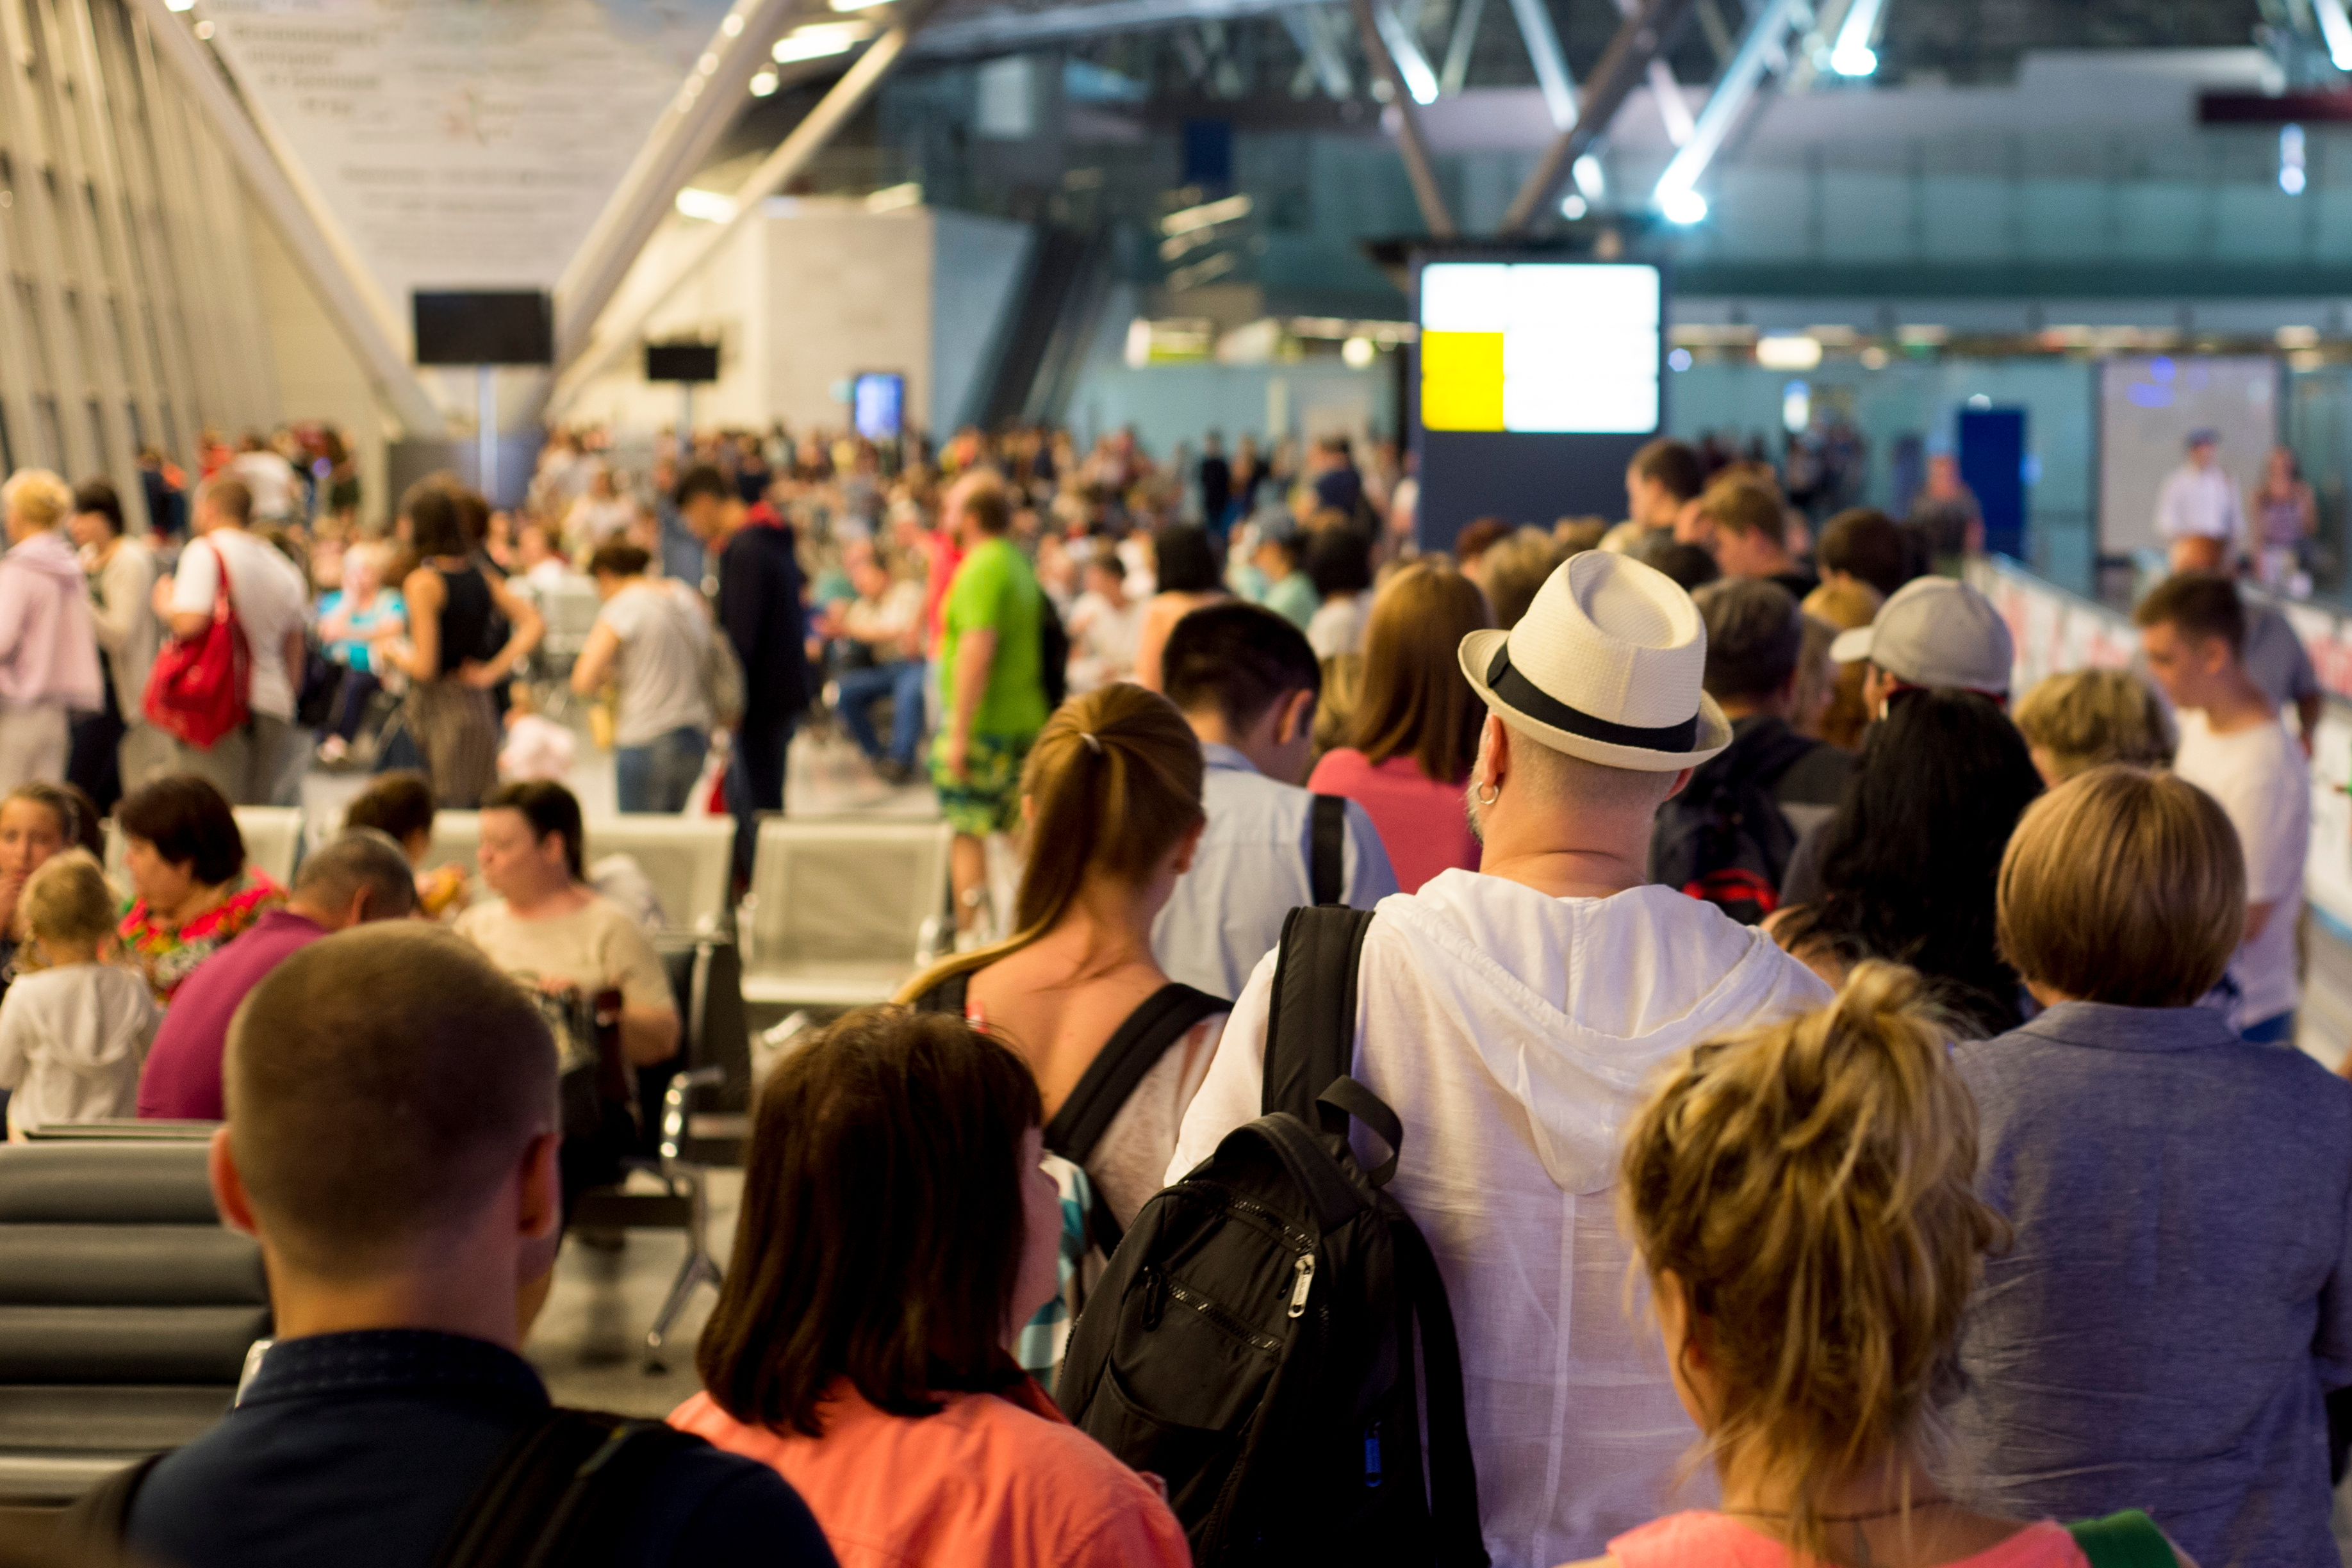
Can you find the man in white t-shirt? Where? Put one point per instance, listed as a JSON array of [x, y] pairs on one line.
[[266, 592], [1513, 1016], [2197, 508], [270, 480], [2232, 747]]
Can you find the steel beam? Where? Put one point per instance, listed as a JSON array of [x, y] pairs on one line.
[[1630, 49], [679, 144], [1734, 91], [1425, 193], [1014, 32], [846, 97], [1404, 51], [1314, 40], [353, 303], [1542, 38], [1458, 47]]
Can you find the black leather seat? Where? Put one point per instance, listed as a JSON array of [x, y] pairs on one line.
[[126, 1309]]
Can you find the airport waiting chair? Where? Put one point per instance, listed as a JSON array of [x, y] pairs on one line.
[[127, 1310], [687, 859], [273, 839], [694, 1106], [456, 837], [843, 912]]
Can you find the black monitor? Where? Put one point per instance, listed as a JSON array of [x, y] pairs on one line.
[[509, 327], [681, 362]]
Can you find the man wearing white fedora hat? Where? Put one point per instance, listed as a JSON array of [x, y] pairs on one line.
[[1511, 1016]]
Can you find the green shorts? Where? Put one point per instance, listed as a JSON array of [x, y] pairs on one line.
[[988, 799]]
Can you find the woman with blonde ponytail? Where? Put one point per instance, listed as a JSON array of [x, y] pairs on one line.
[[1802, 1201], [1111, 799]]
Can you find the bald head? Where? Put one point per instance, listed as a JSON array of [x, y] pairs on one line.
[[360, 875], [382, 1085]]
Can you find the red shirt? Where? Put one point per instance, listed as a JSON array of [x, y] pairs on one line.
[[181, 1080], [1422, 821], [991, 1481]]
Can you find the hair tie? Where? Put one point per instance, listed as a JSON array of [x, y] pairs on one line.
[[1093, 744]]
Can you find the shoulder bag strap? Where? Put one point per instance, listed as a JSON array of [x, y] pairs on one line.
[[1327, 860], [947, 997], [1310, 1026], [1165, 1017], [98, 1520], [2126, 1539], [561, 1492], [1452, 1473]]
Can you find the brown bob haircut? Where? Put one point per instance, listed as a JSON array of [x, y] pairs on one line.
[[380, 1084], [2201, 607], [1413, 700], [882, 1226], [1746, 508], [2123, 886]]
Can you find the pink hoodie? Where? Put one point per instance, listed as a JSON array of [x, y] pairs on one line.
[[48, 646]]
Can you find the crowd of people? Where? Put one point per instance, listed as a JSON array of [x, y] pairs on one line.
[[1817, 1108]]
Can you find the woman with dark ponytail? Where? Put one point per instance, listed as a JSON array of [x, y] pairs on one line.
[[1111, 799]]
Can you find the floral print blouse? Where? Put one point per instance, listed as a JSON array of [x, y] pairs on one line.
[[169, 954]]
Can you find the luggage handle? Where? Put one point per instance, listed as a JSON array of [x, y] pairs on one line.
[[1346, 1097]]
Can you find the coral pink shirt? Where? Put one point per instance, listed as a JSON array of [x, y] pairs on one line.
[[991, 1481], [1718, 1541], [1422, 821]]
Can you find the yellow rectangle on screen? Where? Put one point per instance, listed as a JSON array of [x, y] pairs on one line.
[[1462, 381]]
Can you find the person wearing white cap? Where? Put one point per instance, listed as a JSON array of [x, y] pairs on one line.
[[1934, 633], [2198, 507], [1510, 1015]]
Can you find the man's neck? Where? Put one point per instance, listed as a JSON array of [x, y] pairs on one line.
[[1567, 856], [453, 1296], [1211, 729], [2237, 704]]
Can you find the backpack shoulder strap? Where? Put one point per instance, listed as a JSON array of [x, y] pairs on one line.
[[2126, 1539], [1310, 1025], [1165, 1017], [99, 1518], [1326, 859], [562, 1492]]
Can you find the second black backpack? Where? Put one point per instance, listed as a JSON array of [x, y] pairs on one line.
[[1257, 1340]]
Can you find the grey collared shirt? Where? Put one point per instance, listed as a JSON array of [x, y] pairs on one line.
[[1250, 873], [2178, 1298]]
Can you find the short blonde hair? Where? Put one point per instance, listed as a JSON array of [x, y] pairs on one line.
[[2084, 717], [1811, 1185], [68, 900], [2123, 886], [38, 495], [1842, 606]]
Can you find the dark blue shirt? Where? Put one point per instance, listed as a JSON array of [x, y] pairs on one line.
[[362, 1450]]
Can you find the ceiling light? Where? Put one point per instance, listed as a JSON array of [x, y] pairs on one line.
[[858, 4], [707, 205], [1572, 206], [1681, 206], [732, 24], [819, 40], [1851, 55], [764, 82], [1590, 177], [204, 29], [1789, 353], [1358, 353], [1206, 215], [2337, 28]]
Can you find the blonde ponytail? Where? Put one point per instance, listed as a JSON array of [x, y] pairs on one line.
[[1811, 1186]]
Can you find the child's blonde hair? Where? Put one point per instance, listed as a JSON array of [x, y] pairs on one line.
[[67, 901], [1811, 1185]]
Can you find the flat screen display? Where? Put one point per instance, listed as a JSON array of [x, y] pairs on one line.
[[1540, 347], [495, 327], [681, 362], [878, 404]]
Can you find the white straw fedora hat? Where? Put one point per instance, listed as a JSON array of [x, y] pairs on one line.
[[1605, 666]]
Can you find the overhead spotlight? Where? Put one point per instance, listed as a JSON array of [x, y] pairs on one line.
[[1853, 62], [1358, 353], [204, 29], [816, 40], [731, 25], [179, 5], [1683, 207], [2336, 27], [707, 205], [1851, 54], [1678, 360], [858, 4], [764, 82], [1590, 177], [1573, 206], [2291, 165]]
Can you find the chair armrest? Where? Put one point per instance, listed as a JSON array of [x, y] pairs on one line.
[[673, 1115]]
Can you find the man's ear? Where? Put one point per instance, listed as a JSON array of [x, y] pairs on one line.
[[1680, 783], [228, 1186], [538, 1211], [1297, 717]]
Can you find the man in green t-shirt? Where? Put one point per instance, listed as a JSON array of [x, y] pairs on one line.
[[990, 682]]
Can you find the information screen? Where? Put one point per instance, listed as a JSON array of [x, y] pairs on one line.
[[1540, 347], [878, 401]]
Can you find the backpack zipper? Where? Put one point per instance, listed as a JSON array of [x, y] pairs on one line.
[[1305, 1267], [1222, 1318]]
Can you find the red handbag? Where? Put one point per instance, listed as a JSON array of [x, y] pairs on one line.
[[201, 687]]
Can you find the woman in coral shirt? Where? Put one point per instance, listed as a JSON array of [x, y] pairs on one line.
[[1415, 731], [897, 1229]]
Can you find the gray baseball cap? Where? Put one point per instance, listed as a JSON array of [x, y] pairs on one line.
[[1934, 632]]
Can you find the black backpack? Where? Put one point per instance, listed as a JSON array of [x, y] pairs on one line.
[[1253, 1342], [565, 1492], [1166, 1016], [1725, 840], [1052, 652]]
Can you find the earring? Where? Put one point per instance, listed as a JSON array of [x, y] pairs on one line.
[[1484, 798]]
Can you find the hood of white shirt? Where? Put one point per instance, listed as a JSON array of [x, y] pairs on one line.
[[1573, 1003], [93, 1016]]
